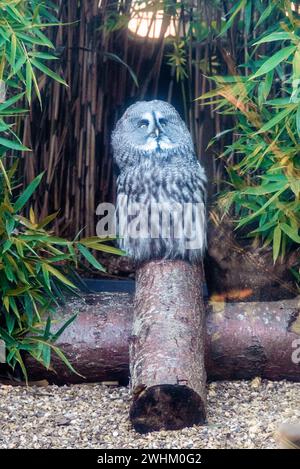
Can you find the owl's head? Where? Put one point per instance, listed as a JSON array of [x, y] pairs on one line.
[[149, 128]]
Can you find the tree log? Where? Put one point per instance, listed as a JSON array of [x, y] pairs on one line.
[[243, 340], [168, 378]]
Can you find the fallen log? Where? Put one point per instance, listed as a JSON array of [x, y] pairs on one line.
[[168, 378], [243, 340]]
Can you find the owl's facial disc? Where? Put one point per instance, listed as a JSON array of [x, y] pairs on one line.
[[153, 131]]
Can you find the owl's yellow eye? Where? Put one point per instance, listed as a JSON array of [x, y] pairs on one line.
[[143, 123]]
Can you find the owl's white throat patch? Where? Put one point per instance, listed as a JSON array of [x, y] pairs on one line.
[[157, 144]]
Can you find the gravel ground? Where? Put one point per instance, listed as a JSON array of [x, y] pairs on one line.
[[240, 415]]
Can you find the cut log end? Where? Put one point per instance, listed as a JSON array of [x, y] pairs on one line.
[[166, 407]]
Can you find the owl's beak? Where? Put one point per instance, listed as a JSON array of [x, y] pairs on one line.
[[157, 132]]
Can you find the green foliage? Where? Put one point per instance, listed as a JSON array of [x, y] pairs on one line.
[[264, 100], [34, 263], [24, 48], [33, 268], [177, 59], [22, 25]]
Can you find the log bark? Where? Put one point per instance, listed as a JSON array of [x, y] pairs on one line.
[[243, 340], [168, 378]]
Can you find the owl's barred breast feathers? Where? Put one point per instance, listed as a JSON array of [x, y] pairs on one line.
[[161, 185]]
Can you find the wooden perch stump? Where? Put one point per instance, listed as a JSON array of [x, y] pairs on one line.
[[168, 377]]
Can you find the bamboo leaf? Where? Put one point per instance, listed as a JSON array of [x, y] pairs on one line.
[[247, 219], [64, 359], [116, 58], [90, 258], [47, 328], [276, 242], [233, 13], [28, 81], [59, 275], [292, 233], [13, 145], [13, 49], [61, 330], [47, 220], [25, 196], [277, 118], [276, 36], [46, 355], [263, 189], [273, 61], [5, 175], [11, 101], [265, 14], [48, 71], [22, 365]]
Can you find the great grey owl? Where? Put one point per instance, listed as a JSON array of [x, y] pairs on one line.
[[160, 187]]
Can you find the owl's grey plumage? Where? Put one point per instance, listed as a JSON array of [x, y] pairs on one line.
[[155, 155]]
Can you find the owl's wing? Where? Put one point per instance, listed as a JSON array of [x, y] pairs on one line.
[[192, 184]]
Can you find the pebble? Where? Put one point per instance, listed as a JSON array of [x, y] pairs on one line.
[[241, 414]]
